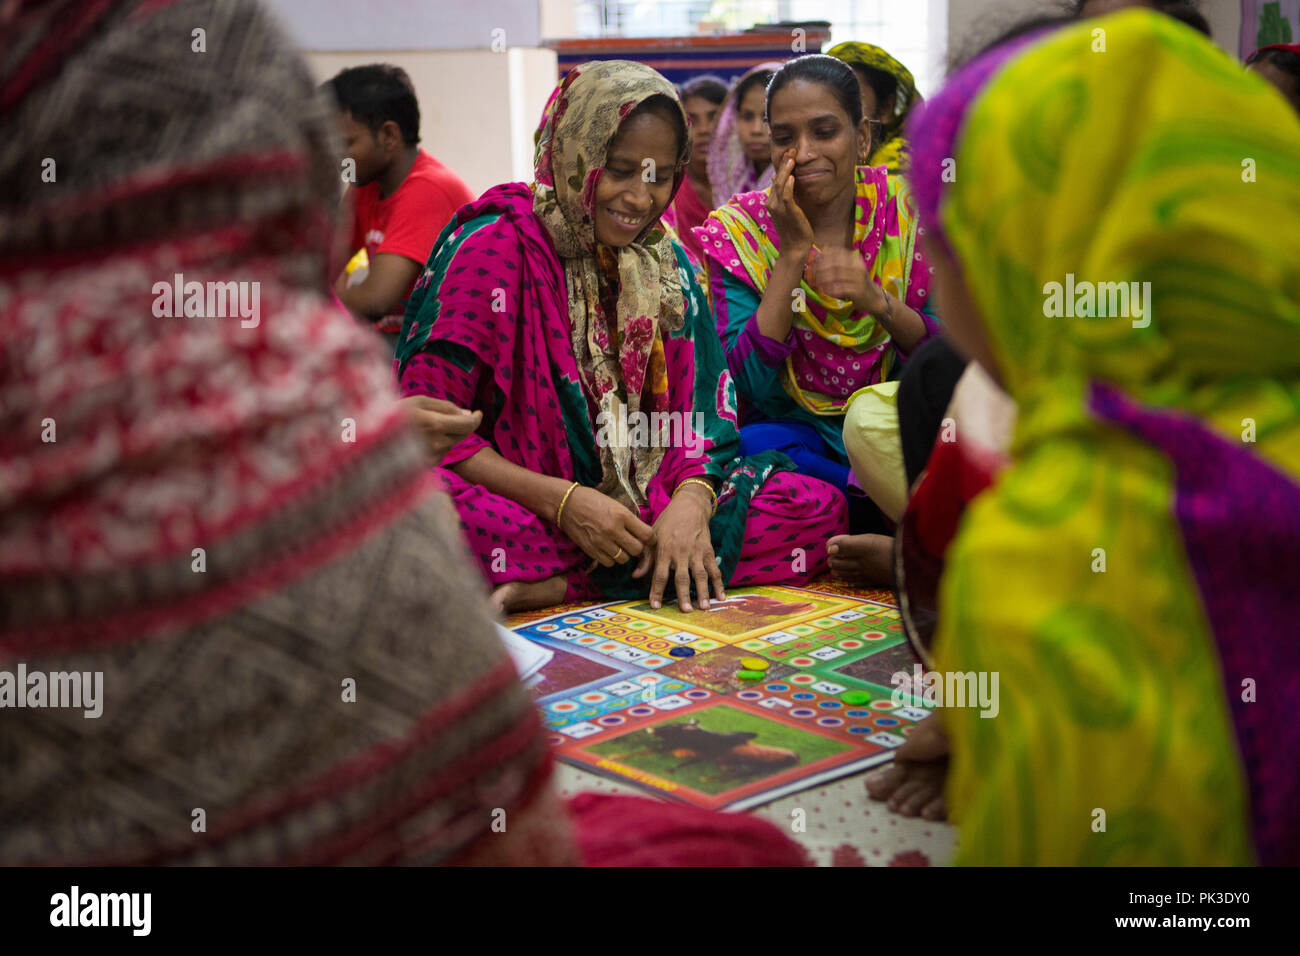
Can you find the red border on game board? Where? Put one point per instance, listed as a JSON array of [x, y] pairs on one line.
[[860, 756]]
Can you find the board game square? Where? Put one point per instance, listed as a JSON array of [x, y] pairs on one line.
[[826, 687], [802, 629], [589, 639], [600, 613], [592, 626], [753, 644], [583, 729], [849, 615], [775, 703], [911, 713], [884, 739], [609, 647], [706, 645], [634, 638], [679, 637], [638, 625], [654, 661], [660, 631], [826, 653], [656, 646], [824, 622], [672, 702], [622, 688], [568, 634], [629, 654], [780, 637]]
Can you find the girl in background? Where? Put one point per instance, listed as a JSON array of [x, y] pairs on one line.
[[702, 98], [740, 159]]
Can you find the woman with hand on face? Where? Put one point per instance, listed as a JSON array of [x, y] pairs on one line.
[[562, 313], [820, 292]]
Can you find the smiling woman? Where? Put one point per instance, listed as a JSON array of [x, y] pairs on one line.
[[561, 306], [820, 293]]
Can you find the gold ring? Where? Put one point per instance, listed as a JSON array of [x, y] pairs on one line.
[[618, 553]]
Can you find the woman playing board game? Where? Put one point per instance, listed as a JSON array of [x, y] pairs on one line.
[[1130, 574], [821, 292], [292, 649], [560, 310]]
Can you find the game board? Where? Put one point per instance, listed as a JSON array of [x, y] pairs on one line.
[[617, 703]]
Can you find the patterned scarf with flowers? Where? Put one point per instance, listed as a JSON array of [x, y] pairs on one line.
[[619, 299]]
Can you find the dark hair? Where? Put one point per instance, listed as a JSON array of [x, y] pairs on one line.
[[378, 93], [708, 87], [1185, 11], [836, 75], [668, 108], [763, 77], [1284, 60], [1013, 32], [883, 84]]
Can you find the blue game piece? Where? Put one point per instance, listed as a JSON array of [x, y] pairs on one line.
[[681, 652]]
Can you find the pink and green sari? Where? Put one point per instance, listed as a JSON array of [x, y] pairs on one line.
[[522, 315]]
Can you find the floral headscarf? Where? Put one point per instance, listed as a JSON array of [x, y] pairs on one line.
[[618, 298], [888, 150]]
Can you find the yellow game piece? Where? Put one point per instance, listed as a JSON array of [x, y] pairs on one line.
[[753, 663]]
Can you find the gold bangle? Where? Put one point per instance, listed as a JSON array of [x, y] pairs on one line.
[[559, 512], [707, 486]]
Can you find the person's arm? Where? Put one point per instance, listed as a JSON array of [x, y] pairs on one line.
[[775, 315], [843, 274], [540, 494], [379, 294]]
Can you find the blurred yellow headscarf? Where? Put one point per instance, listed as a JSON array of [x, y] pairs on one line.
[[1126, 150]]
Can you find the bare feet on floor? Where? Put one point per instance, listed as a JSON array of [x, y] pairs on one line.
[[529, 595], [913, 784], [865, 559]]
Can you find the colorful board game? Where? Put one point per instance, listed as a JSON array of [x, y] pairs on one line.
[[617, 700]]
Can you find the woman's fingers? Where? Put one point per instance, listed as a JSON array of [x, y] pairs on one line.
[[683, 585], [658, 583], [715, 575], [701, 581], [639, 529], [647, 560]]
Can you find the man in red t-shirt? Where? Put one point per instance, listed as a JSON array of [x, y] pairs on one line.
[[402, 197]]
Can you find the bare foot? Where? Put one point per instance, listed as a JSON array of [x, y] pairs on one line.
[[529, 595], [862, 558], [913, 784]]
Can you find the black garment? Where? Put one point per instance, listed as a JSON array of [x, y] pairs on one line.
[[924, 393]]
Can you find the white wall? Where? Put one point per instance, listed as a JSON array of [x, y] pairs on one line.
[[341, 25], [478, 109], [978, 21]]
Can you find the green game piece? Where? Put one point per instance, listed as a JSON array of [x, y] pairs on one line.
[[750, 675], [855, 697]]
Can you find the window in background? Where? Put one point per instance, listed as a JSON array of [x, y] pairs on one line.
[[914, 31]]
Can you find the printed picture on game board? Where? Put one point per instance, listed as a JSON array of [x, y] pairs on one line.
[[718, 749], [742, 613]]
